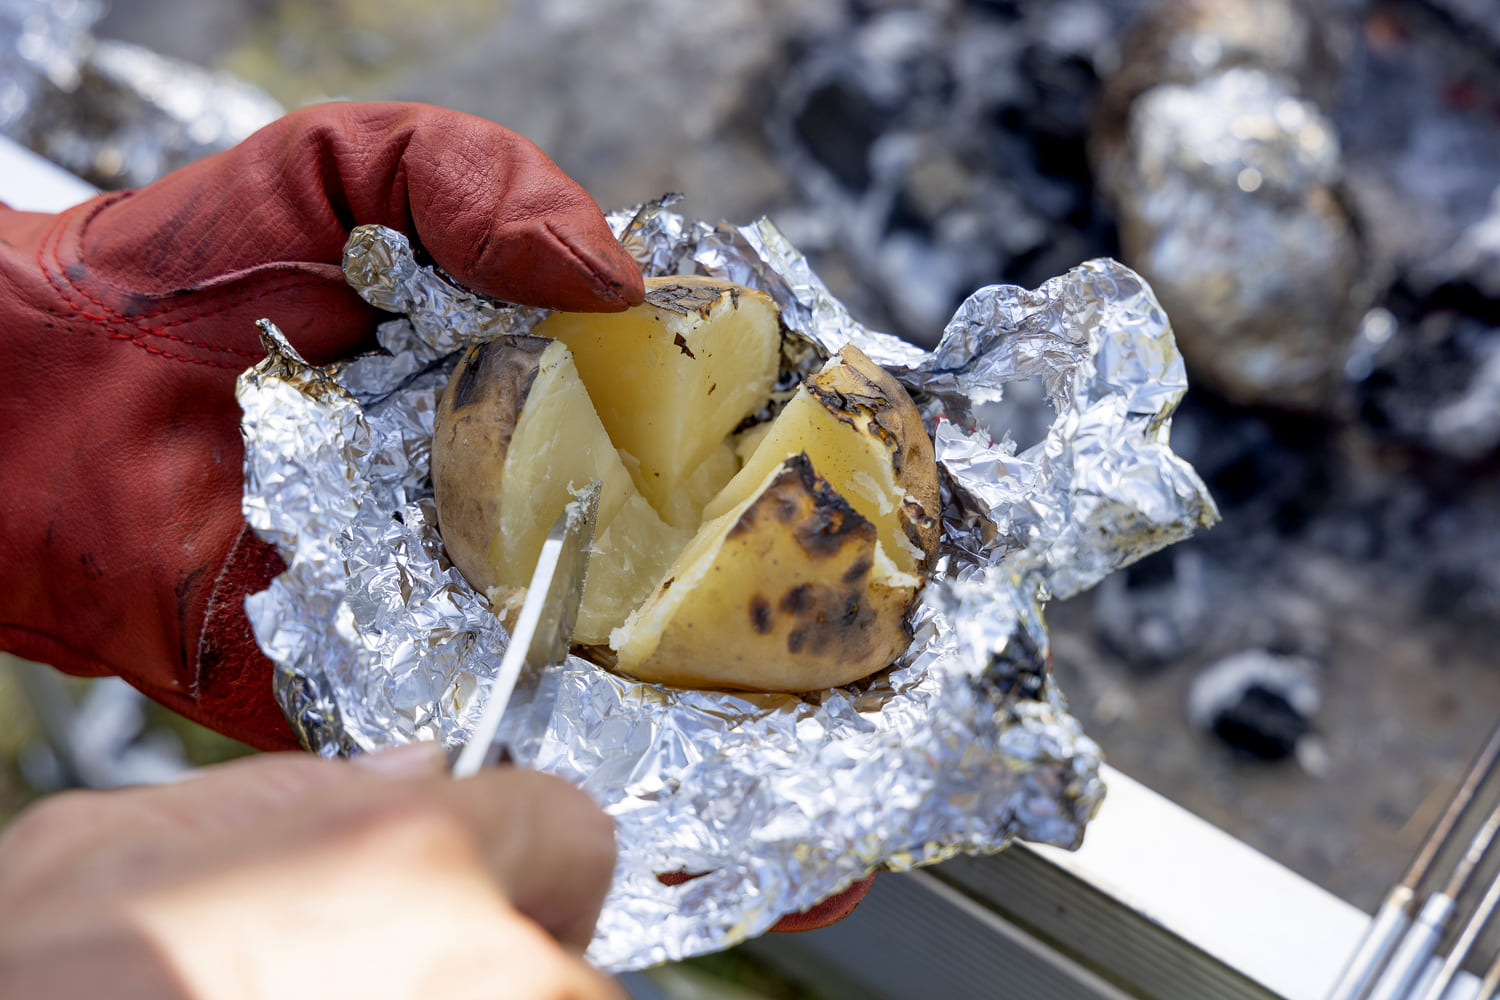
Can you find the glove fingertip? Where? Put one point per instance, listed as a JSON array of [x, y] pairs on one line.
[[829, 911], [615, 280]]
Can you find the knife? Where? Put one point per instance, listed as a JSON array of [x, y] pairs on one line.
[[544, 628]]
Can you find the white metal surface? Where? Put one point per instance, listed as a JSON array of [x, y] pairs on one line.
[[32, 184], [1157, 903], [1214, 891]]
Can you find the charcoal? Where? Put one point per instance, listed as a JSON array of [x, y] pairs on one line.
[[1262, 723], [948, 144], [1155, 613], [1257, 702]]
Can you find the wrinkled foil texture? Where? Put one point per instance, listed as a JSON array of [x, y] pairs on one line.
[[964, 745], [116, 114]]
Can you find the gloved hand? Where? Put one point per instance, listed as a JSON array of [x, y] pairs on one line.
[[124, 322]]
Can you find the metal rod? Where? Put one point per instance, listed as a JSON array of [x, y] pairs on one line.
[[1393, 918], [1385, 931], [1483, 764], [1415, 950], [1465, 942], [1491, 981], [1478, 847], [1421, 941]]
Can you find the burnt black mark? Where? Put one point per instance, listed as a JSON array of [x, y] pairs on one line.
[[858, 394], [685, 299], [504, 367], [712, 387], [858, 570], [466, 385], [786, 509], [798, 600], [822, 521], [831, 525], [851, 615], [796, 640], [760, 614], [682, 346], [668, 584]]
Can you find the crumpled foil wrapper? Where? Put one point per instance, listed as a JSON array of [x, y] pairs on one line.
[[1227, 191], [42, 44], [964, 745], [116, 114]]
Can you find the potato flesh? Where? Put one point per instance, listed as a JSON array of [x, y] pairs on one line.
[[858, 462], [632, 554], [683, 508], [556, 448], [559, 445], [671, 387]]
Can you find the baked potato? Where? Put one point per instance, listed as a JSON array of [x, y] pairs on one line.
[[783, 555]]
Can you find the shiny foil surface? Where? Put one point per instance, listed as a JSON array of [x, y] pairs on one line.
[[963, 746]]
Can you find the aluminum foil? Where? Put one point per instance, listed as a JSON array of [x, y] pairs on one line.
[[116, 114], [964, 745], [42, 45]]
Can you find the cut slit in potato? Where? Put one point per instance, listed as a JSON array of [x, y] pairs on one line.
[[698, 364], [784, 558]]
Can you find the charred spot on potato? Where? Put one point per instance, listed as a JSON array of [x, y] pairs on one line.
[[681, 342], [501, 370], [760, 614], [833, 524], [851, 608], [858, 570], [876, 414], [828, 625], [466, 379], [914, 530], [686, 297], [798, 599]]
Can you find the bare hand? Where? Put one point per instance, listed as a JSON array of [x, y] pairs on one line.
[[287, 875]]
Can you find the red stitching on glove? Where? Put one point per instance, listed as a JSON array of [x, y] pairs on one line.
[[198, 298], [109, 332], [47, 251]]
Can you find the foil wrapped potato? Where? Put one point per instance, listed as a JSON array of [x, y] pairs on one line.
[[782, 556]]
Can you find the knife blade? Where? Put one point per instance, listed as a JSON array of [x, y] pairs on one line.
[[544, 628]]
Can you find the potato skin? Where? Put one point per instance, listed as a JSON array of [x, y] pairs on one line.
[[788, 603], [861, 392], [475, 421], [686, 294]]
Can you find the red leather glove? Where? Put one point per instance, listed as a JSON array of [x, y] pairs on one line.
[[828, 911], [124, 322]]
